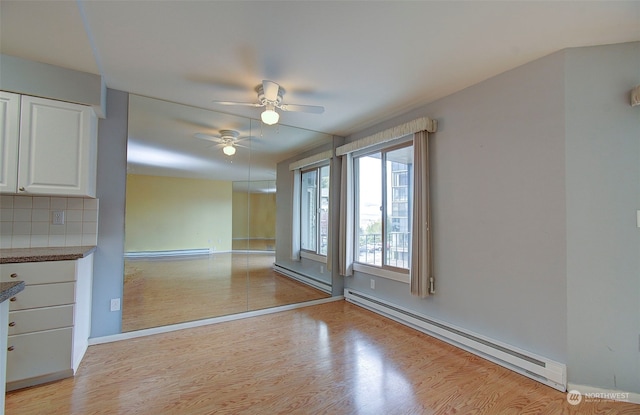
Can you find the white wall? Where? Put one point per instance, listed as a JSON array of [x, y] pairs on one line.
[[603, 195], [498, 210]]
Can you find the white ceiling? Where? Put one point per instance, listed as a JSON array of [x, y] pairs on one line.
[[364, 61]]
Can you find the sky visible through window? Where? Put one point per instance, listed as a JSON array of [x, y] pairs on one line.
[[370, 173]]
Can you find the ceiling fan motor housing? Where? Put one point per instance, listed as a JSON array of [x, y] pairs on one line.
[[228, 135], [263, 99]]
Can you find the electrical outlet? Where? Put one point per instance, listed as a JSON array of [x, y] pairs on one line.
[[58, 217], [373, 284], [321, 269], [115, 304]]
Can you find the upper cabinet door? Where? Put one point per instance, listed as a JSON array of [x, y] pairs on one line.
[[9, 136], [58, 148]]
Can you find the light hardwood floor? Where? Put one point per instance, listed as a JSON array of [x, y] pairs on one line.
[[334, 358], [163, 291]]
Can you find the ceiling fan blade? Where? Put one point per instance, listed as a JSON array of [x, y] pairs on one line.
[[207, 137], [270, 90], [246, 104], [313, 109]]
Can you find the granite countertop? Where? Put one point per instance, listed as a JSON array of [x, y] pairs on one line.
[[18, 255], [9, 289]]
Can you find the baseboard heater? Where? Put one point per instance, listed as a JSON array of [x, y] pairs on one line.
[[321, 285], [536, 367], [155, 254]]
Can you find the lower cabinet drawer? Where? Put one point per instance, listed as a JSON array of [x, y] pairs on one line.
[[39, 272], [44, 295], [38, 354], [38, 319]]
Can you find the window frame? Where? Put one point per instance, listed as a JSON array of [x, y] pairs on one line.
[[316, 254], [383, 270]]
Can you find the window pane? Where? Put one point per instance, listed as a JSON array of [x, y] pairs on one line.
[[308, 210], [369, 209], [324, 209], [398, 193]]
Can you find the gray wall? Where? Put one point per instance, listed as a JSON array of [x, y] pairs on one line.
[[603, 194], [108, 264], [498, 210], [536, 184], [40, 79], [284, 213]]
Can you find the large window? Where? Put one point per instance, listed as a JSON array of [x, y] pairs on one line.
[[314, 210], [383, 207]]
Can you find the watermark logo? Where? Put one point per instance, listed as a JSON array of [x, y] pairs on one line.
[[574, 397]]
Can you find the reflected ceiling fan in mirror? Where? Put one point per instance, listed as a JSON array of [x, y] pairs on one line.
[[270, 97], [228, 139]]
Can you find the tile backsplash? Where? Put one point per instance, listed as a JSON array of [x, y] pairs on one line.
[[27, 221]]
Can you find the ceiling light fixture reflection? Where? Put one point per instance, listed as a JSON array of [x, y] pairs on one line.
[[229, 150], [269, 116]]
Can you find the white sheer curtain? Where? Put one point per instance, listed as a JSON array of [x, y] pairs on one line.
[[332, 175], [422, 278], [295, 217], [346, 242], [296, 167]]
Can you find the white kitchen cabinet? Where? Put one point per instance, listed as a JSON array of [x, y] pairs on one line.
[[4, 320], [56, 148], [41, 356], [9, 137], [49, 322]]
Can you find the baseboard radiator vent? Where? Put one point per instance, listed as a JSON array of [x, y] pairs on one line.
[[536, 367], [305, 279], [156, 254]]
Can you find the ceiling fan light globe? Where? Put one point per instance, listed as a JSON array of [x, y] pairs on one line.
[[229, 150], [269, 116]]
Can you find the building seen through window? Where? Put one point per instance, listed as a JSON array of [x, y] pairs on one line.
[[383, 205]]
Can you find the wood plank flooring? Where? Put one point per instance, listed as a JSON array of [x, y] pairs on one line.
[[163, 291], [333, 358]]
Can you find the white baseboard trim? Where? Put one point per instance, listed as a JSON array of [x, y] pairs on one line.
[[206, 322], [320, 285], [590, 392]]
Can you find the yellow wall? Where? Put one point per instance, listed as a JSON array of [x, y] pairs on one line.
[[254, 215], [254, 221], [262, 217], [168, 213], [240, 215]]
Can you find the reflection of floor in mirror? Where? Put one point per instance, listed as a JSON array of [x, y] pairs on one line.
[[164, 291]]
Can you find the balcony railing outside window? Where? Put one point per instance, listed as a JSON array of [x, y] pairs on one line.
[[370, 249]]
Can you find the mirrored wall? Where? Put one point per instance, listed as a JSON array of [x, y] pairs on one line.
[[201, 208]]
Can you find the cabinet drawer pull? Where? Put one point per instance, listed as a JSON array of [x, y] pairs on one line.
[[12, 324], [13, 299], [22, 189], [10, 348], [14, 275]]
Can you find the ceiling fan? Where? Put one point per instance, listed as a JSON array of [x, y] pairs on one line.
[[270, 96], [228, 139]]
